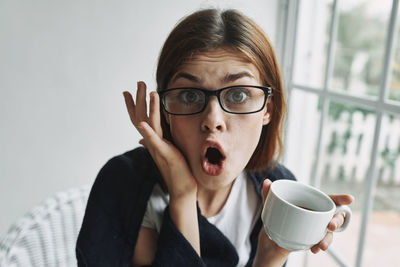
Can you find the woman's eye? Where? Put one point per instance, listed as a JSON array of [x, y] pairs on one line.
[[237, 95], [189, 96]]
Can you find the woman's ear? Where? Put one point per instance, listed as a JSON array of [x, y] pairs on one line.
[[266, 118], [267, 113]]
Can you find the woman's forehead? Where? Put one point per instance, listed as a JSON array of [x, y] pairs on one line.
[[216, 55], [219, 63]]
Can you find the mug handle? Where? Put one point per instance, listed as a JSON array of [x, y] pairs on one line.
[[347, 217]]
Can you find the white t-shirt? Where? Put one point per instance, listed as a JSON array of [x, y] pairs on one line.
[[235, 220]]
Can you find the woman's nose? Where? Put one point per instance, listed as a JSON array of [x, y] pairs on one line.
[[213, 117]]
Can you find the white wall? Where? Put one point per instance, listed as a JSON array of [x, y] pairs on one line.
[[63, 67]]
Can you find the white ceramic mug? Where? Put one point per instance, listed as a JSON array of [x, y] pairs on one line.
[[295, 216]]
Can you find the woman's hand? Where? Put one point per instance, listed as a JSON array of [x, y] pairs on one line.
[[270, 254], [336, 222], [182, 187], [169, 159]]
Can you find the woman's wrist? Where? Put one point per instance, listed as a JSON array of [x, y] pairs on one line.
[[184, 192], [268, 253], [183, 202], [183, 212]]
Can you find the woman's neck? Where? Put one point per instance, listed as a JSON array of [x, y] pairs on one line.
[[212, 201]]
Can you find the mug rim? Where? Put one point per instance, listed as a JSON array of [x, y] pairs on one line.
[[309, 187]]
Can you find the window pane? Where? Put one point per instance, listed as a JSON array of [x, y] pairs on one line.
[[312, 40], [300, 145], [359, 47], [394, 88], [302, 133], [346, 149], [382, 245]]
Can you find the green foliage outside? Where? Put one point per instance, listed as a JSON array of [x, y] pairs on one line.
[[362, 37]]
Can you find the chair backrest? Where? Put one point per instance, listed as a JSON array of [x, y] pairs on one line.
[[47, 234]]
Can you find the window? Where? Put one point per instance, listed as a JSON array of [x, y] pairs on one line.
[[341, 65]]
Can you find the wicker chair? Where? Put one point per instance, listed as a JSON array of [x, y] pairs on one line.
[[47, 234]]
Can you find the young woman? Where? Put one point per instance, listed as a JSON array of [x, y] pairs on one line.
[[192, 196]]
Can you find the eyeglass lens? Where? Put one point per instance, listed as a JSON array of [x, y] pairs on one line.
[[244, 99]]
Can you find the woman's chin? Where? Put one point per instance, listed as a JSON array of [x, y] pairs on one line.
[[214, 182]]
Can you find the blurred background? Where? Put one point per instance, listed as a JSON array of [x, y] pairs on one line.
[[64, 65], [343, 135]]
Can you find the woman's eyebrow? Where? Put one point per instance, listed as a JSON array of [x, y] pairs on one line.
[[231, 77], [187, 76]]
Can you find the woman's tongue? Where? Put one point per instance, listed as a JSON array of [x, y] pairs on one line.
[[212, 164]]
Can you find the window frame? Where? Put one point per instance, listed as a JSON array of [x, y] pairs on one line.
[[288, 13]]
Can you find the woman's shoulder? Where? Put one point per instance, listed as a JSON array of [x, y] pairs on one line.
[[137, 162], [281, 172], [115, 208], [278, 172], [125, 174], [138, 158]]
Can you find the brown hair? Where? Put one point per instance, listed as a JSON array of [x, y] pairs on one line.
[[210, 29]]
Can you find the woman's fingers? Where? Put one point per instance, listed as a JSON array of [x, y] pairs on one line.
[[315, 249], [336, 222], [138, 114], [326, 242], [138, 111], [130, 106], [323, 244], [342, 199], [150, 138], [154, 118], [141, 106], [338, 219], [265, 188]]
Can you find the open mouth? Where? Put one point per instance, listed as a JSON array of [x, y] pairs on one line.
[[213, 159], [214, 156]]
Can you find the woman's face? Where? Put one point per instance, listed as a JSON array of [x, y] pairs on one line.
[[217, 145]]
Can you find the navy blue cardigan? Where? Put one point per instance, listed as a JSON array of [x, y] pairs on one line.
[[116, 207]]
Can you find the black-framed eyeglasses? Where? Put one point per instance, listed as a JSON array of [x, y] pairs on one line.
[[238, 99]]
